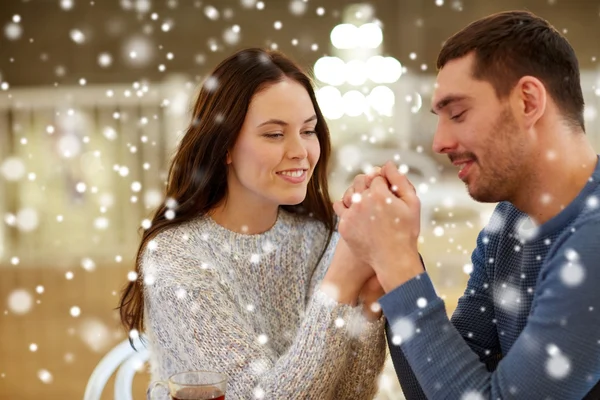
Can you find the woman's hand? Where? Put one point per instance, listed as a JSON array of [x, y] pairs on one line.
[[346, 275], [369, 296]]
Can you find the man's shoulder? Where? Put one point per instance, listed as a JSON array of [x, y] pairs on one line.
[[590, 207], [584, 230]]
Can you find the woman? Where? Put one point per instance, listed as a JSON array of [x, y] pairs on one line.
[[242, 271]]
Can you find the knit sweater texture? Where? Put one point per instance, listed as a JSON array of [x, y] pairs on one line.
[[250, 306]]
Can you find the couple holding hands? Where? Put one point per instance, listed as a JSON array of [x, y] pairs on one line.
[[250, 270]]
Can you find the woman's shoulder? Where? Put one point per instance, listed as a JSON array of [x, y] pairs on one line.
[[181, 237], [175, 250]]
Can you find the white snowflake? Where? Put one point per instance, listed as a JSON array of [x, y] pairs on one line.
[[558, 366], [526, 229], [468, 269], [248, 3], [20, 301], [259, 366], [66, 4], [297, 7], [375, 307], [95, 334], [571, 255], [169, 214], [211, 84], [268, 246], [403, 329], [472, 395], [45, 376], [507, 297], [27, 219], [152, 245], [496, 224], [13, 168], [88, 264], [149, 279], [263, 339], [572, 274], [231, 36], [259, 393], [13, 31]]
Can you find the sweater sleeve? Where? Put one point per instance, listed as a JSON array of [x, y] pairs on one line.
[[481, 337], [365, 362], [200, 326], [360, 378], [555, 356]]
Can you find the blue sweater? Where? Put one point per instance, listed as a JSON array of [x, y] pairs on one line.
[[528, 324]]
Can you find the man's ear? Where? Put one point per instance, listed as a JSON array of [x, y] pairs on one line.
[[531, 99]]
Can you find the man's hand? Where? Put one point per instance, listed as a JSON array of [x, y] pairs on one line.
[[360, 183], [382, 226]]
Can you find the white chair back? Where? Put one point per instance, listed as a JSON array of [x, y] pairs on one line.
[[124, 379], [110, 363]]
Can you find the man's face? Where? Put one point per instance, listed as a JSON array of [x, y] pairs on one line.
[[478, 132]]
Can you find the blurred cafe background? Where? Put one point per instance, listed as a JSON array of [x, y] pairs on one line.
[[94, 95]]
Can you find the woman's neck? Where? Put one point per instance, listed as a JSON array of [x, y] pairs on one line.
[[245, 218]]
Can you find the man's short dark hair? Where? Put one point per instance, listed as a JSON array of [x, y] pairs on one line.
[[513, 44]]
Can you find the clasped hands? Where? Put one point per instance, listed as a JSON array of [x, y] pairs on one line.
[[379, 227]]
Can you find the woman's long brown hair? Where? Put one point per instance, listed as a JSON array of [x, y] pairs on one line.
[[198, 173]]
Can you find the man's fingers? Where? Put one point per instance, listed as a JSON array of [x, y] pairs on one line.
[[381, 187], [376, 171], [400, 185]]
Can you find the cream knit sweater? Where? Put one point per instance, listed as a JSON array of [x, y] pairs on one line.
[[249, 306]]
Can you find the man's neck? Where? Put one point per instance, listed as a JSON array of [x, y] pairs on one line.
[[557, 176]]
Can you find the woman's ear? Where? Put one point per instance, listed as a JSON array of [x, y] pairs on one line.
[[228, 158]]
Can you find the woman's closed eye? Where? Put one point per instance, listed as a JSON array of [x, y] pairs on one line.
[[273, 135]]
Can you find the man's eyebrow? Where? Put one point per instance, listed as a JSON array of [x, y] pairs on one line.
[[446, 100]]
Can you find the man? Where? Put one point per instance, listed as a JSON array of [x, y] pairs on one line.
[[510, 116]]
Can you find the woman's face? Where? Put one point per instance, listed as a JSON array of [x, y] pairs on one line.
[[277, 149]]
